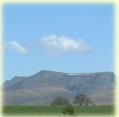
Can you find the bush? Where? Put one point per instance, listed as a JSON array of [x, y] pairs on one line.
[[68, 109]]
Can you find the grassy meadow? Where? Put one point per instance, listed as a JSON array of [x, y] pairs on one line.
[[57, 110]]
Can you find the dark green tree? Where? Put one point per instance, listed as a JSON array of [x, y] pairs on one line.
[[58, 101], [82, 100]]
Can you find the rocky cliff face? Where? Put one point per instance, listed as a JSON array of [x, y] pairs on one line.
[[41, 88]]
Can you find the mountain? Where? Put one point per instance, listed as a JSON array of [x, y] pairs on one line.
[[42, 87]]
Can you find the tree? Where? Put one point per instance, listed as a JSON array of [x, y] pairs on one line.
[[82, 100], [58, 101]]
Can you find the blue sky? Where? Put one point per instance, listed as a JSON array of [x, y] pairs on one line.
[[68, 38]]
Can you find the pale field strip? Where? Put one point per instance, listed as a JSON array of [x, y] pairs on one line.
[[116, 24], [1, 57], [59, 1], [117, 55]]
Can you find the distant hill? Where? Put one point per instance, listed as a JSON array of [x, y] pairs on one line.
[[42, 87]]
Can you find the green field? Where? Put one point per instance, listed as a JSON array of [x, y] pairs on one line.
[[57, 110]]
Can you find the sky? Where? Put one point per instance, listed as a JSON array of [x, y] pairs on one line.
[[60, 37]]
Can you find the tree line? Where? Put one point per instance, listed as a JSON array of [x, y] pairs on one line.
[[78, 100]]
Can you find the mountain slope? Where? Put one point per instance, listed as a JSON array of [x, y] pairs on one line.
[[42, 87]]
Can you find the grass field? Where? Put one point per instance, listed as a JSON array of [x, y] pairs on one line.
[[57, 110]]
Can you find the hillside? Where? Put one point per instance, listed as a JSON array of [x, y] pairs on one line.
[[42, 87]]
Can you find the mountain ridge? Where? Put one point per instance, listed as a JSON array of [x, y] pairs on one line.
[[67, 73], [42, 87]]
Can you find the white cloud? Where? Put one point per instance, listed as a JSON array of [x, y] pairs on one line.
[[16, 46], [65, 44]]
